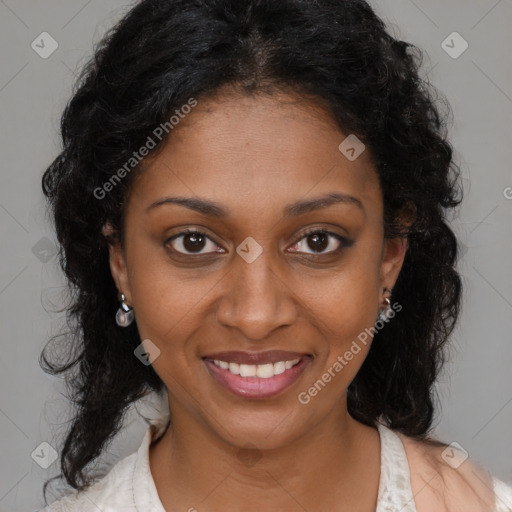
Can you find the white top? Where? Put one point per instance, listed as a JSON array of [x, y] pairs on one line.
[[129, 486]]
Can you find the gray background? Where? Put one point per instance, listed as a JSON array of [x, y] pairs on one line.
[[476, 386]]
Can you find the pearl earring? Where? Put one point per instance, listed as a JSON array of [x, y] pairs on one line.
[[124, 315], [384, 313]]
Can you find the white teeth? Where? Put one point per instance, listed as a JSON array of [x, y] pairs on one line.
[[279, 367], [247, 370], [263, 371]]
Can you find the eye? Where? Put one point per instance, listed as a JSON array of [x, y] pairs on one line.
[[191, 241], [319, 240]]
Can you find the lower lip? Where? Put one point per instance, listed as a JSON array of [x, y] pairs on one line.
[[254, 387]]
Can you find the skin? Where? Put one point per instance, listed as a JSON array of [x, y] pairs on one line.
[[254, 156]]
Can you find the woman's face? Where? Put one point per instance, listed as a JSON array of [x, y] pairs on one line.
[[258, 174]]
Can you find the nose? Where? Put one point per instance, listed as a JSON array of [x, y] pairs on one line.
[[256, 300]]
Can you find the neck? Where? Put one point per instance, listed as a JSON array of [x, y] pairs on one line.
[[336, 464]]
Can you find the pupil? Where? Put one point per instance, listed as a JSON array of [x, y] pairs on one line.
[[320, 242], [193, 241]]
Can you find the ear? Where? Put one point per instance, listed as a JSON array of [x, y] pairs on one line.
[[393, 256], [393, 252], [117, 261]]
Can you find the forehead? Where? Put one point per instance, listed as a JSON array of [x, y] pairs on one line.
[[253, 152]]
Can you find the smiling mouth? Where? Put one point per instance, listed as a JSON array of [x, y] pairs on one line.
[[257, 381]]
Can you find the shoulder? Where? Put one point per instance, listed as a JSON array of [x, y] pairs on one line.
[[445, 479], [127, 483], [503, 494], [107, 494]]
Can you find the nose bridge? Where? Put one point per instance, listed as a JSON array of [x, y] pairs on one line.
[[256, 300], [256, 280]]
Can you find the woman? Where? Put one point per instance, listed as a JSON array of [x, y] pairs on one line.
[[251, 202]]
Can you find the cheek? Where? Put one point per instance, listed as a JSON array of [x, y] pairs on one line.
[[343, 315], [165, 307], [161, 300], [344, 303], [167, 312]]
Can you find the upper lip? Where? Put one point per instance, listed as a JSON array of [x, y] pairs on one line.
[[270, 356]]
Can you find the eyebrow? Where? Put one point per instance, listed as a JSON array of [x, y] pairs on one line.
[[214, 209]]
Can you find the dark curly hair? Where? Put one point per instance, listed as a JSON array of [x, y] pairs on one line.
[[338, 52]]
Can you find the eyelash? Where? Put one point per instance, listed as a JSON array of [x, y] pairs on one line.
[[344, 242]]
